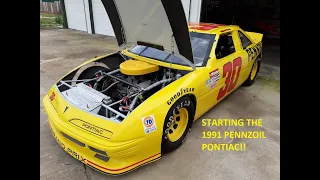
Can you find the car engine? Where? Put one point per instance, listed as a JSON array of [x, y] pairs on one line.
[[115, 94]]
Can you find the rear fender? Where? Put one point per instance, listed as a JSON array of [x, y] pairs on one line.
[[256, 37]]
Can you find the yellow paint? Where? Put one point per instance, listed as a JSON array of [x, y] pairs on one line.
[[91, 128], [153, 61], [129, 147], [254, 71], [179, 125], [135, 67]]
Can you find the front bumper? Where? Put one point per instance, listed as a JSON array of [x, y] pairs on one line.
[[113, 158]]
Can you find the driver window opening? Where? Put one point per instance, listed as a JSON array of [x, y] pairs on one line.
[[244, 40], [225, 46]]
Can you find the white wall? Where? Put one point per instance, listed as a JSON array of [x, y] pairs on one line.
[[186, 5], [86, 7], [102, 24], [194, 6], [195, 10], [78, 16]]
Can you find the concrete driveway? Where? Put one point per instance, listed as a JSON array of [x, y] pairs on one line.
[[61, 50]]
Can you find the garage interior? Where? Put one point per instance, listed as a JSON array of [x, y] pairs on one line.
[[261, 16]]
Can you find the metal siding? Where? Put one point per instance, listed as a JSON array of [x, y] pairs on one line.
[[101, 20], [195, 10], [75, 11], [186, 5], [87, 15]]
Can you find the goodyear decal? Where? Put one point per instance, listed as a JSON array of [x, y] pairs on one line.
[[179, 94], [254, 51]]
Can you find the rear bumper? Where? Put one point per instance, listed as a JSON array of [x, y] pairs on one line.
[[114, 158]]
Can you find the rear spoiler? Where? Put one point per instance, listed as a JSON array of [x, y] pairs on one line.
[[256, 37]]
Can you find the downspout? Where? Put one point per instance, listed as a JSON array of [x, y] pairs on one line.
[[91, 17], [189, 10], [64, 15], [199, 9]]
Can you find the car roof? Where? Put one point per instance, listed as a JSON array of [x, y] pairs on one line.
[[210, 28]]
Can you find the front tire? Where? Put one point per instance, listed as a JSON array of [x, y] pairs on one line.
[[253, 73], [177, 124]]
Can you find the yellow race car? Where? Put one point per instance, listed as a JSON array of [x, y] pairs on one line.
[[123, 110]]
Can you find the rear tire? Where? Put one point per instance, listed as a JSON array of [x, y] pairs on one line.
[[253, 73], [177, 124]]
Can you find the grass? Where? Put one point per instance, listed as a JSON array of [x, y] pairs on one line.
[[50, 20], [47, 15]]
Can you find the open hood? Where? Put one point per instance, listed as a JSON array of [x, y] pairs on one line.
[[159, 24]]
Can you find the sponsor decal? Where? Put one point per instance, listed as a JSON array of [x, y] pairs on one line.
[[254, 51], [91, 128], [214, 78], [149, 124], [179, 94], [52, 96], [225, 30]]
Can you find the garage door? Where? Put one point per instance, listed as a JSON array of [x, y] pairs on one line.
[[101, 20], [76, 16]]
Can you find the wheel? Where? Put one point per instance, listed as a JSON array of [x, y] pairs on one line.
[[253, 73], [177, 124]]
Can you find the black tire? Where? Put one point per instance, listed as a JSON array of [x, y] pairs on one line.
[[250, 81], [167, 145]]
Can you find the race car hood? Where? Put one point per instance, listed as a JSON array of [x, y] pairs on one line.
[[159, 24]]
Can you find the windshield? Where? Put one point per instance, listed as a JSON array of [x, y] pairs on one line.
[[201, 46]]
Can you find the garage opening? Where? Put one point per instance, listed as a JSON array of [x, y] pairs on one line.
[[261, 16]]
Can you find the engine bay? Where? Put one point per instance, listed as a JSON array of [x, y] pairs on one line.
[[115, 94]]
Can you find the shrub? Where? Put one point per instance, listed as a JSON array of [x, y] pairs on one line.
[[58, 19]]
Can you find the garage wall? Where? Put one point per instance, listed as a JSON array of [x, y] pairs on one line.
[[78, 15], [77, 12], [101, 20], [87, 15], [186, 7], [195, 10]]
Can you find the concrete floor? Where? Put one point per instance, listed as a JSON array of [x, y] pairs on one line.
[[61, 50]]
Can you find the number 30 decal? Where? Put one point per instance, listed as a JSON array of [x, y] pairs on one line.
[[232, 72]]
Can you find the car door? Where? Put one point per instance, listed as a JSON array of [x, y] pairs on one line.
[[230, 61], [218, 72]]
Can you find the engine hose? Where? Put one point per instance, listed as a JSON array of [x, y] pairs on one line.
[[164, 77], [97, 81], [133, 103], [102, 76], [109, 87]]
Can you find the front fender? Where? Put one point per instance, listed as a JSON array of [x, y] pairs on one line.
[[158, 106]]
